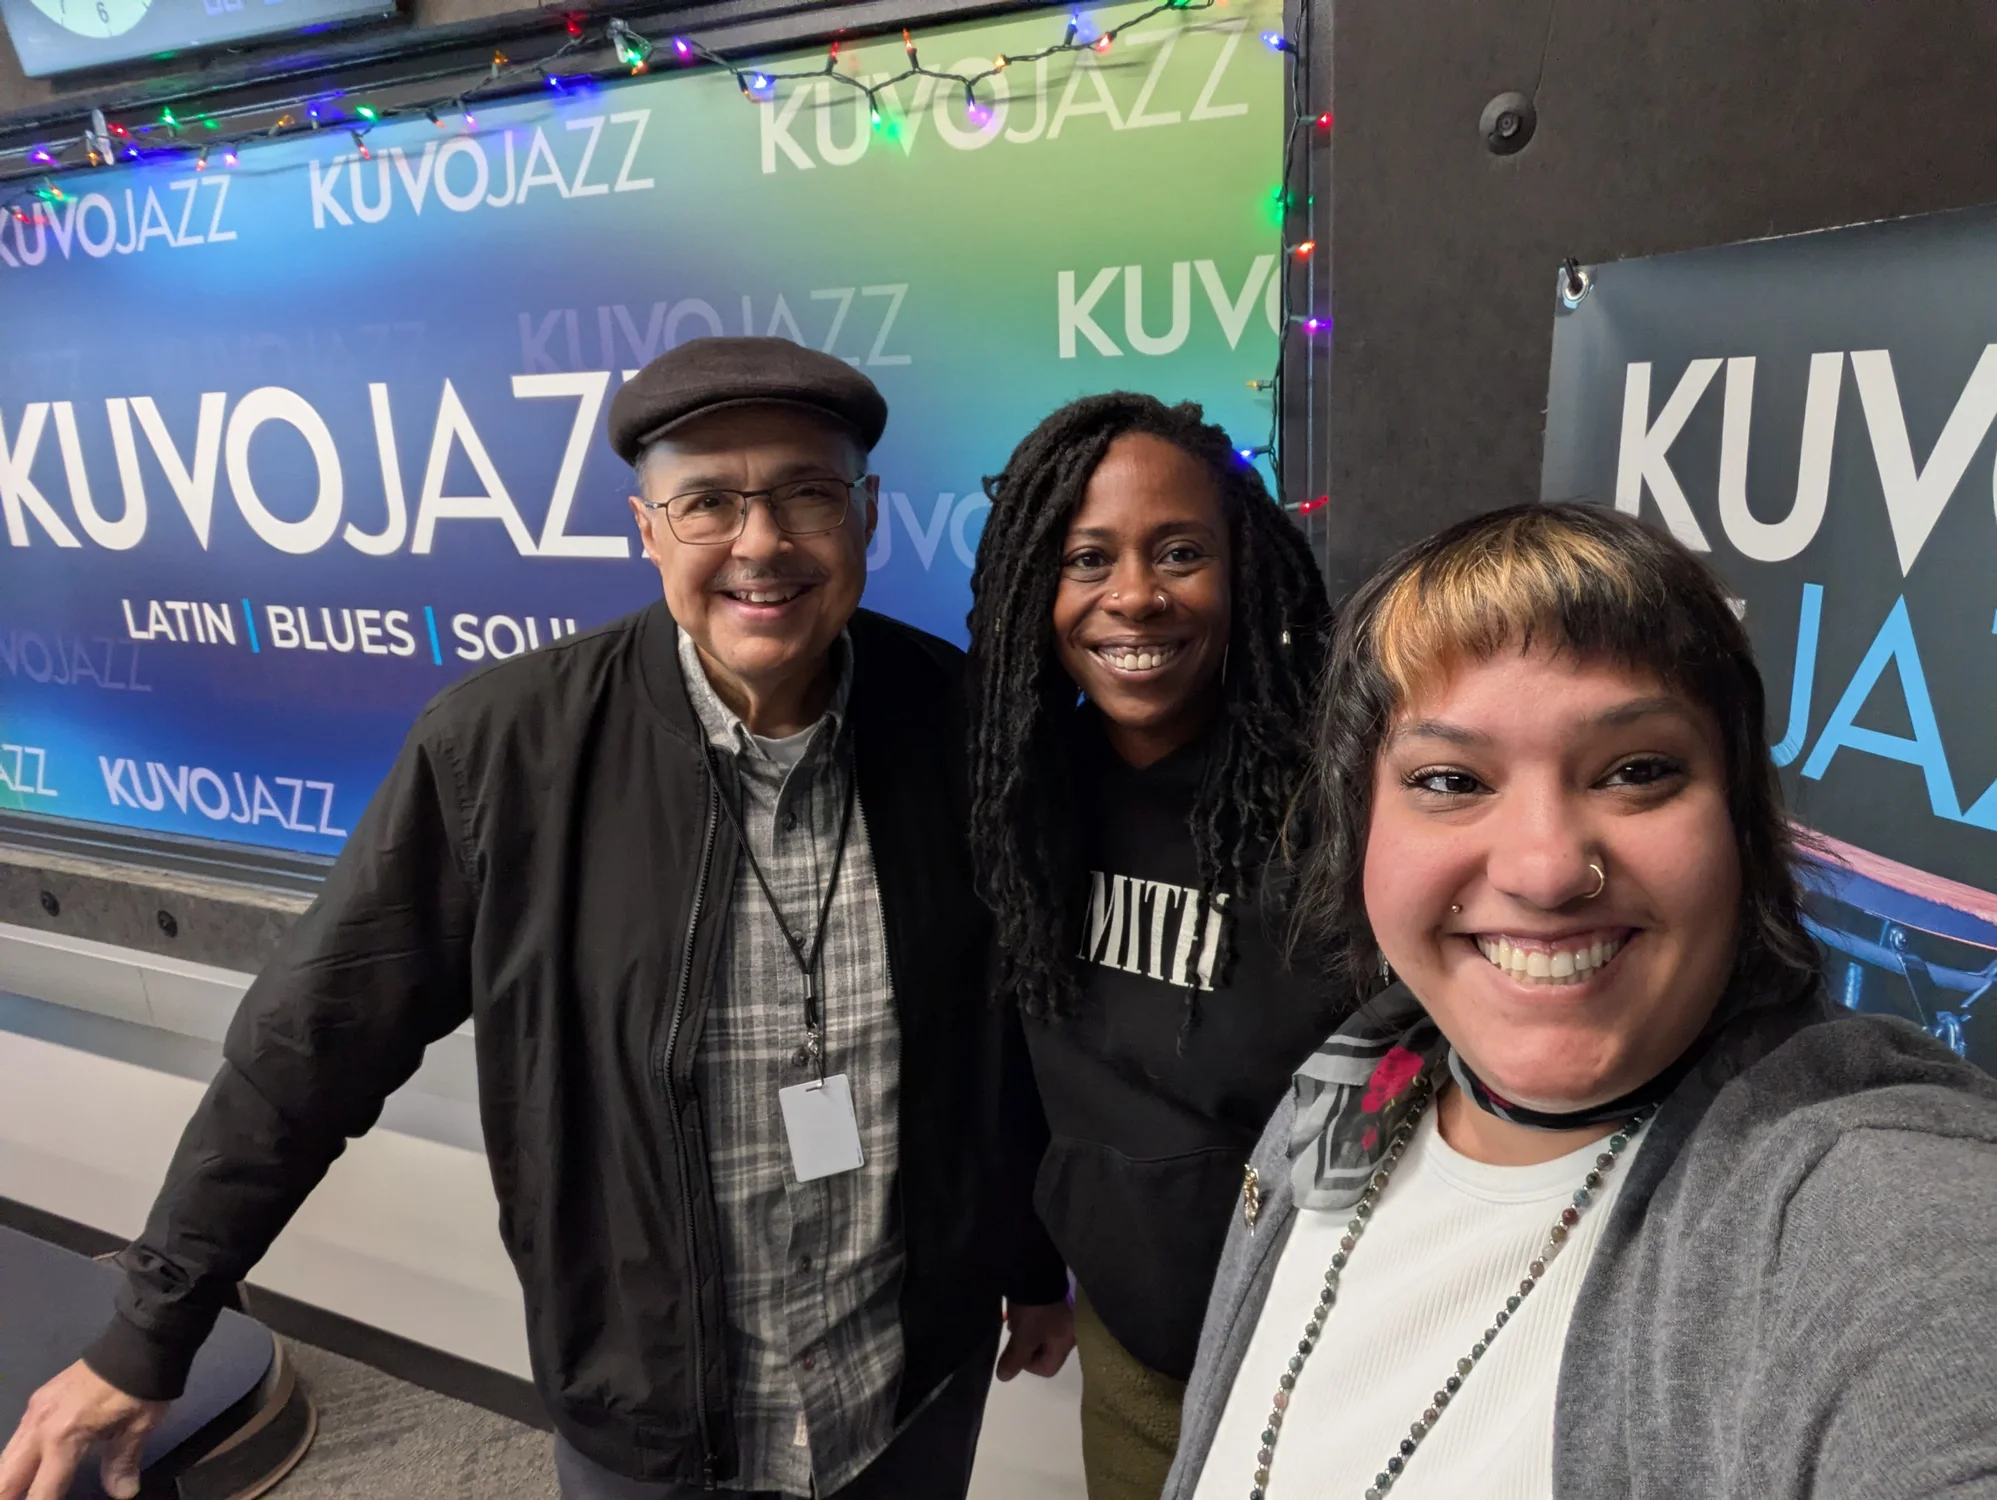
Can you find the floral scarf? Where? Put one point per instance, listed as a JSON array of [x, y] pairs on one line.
[[1353, 1092]]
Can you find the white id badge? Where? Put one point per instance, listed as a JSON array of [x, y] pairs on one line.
[[824, 1135]]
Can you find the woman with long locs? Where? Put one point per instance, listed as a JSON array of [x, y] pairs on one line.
[[1146, 630]]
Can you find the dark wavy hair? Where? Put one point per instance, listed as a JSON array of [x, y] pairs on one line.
[[1025, 813], [1583, 579]]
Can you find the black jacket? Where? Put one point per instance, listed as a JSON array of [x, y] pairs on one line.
[[547, 857]]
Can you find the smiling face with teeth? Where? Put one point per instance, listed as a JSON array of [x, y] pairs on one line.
[[1142, 613], [765, 608], [1496, 797]]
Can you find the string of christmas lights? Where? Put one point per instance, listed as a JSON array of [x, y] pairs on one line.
[[1298, 256], [101, 143], [221, 134]]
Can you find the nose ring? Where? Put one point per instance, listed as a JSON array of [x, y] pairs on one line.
[[1601, 881]]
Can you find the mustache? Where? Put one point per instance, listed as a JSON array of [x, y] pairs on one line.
[[738, 576]]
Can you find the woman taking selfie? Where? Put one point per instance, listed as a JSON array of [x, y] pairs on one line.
[[1600, 1199], [1134, 561]]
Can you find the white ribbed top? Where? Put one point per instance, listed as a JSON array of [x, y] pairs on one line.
[[1450, 1239]]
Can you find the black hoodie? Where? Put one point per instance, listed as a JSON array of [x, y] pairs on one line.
[[1150, 1140]]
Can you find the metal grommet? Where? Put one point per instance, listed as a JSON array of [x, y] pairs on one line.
[[1508, 123], [166, 922], [1576, 281], [50, 905]]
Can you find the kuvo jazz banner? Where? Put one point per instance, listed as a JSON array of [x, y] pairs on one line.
[[1815, 415], [287, 446]]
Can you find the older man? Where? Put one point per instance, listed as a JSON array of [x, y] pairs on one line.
[[761, 1144]]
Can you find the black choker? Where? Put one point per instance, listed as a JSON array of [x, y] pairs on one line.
[[1615, 1112]]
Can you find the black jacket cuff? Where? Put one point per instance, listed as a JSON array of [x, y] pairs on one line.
[[1040, 1277], [139, 1363]]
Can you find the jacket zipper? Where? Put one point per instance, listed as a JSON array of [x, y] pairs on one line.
[[680, 1156], [880, 906], [894, 999]]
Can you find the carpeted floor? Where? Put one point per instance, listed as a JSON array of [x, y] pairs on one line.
[[382, 1439]]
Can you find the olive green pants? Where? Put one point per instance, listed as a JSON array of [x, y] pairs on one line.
[[1130, 1414]]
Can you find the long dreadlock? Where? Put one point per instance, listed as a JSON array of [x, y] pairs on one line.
[[1025, 813]]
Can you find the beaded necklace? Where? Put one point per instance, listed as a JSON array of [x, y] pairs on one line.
[[1362, 1212]]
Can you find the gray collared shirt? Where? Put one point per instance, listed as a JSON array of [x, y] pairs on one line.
[[812, 1270]]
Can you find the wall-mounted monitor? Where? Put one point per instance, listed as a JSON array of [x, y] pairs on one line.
[[64, 36]]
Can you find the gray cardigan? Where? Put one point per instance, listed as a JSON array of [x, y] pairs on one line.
[[1795, 1294]]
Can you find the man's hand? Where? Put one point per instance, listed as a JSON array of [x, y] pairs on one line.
[[1037, 1339], [63, 1419]]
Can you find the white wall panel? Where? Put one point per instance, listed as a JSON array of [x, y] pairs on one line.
[[402, 1234]]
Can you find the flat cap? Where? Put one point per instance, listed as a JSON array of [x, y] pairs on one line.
[[704, 374]]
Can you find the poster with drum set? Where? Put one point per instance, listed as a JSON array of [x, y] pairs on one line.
[[1817, 415]]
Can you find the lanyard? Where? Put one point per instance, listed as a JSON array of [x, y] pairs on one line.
[[806, 958]]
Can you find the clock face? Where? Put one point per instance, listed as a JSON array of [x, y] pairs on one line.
[[97, 18]]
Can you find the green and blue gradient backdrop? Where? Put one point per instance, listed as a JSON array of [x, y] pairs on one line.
[[1161, 154]]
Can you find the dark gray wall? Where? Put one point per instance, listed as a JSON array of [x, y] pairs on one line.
[[1663, 125]]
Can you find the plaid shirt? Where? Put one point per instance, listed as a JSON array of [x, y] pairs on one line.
[[812, 1270]]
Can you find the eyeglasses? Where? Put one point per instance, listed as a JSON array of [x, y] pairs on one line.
[[802, 507]]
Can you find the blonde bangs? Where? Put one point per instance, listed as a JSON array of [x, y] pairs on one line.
[[1503, 588]]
